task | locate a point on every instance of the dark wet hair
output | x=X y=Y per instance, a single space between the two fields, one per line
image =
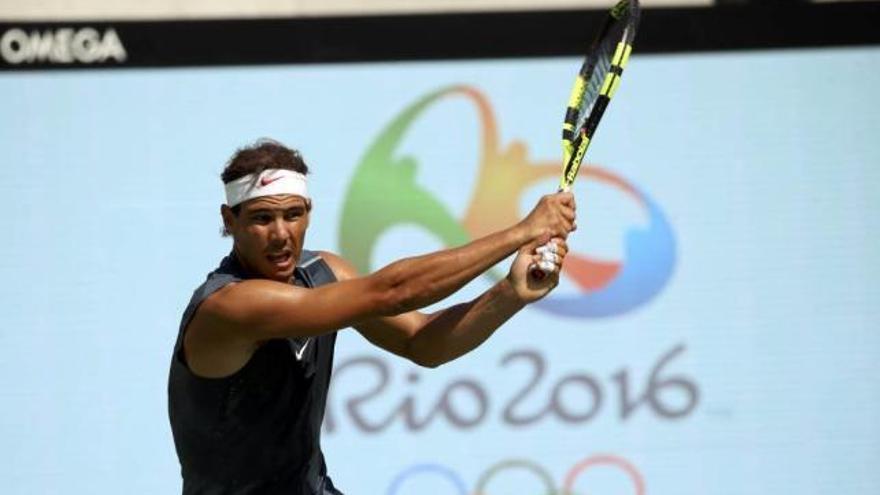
x=262 y=155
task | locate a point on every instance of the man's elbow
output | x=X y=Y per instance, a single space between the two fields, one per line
x=427 y=361
x=419 y=352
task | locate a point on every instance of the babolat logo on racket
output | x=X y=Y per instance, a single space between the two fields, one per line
x=385 y=193
x=61 y=46
x=573 y=165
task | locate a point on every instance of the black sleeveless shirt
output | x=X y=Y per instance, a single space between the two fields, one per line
x=257 y=431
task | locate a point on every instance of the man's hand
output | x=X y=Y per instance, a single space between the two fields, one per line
x=527 y=288
x=553 y=216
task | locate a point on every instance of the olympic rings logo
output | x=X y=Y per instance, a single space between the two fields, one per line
x=482 y=487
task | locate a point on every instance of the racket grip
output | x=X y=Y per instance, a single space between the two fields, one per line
x=536 y=271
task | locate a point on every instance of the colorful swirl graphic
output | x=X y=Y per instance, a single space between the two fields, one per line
x=383 y=193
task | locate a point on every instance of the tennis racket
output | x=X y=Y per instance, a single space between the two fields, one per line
x=594 y=87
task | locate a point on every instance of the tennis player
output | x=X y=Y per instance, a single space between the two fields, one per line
x=251 y=367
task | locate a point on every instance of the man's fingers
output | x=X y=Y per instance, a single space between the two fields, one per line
x=562 y=227
x=547 y=266
x=556 y=245
x=550 y=247
x=537 y=243
x=556 y=212
x=552 y=258
x=566 y=198
x=561 y=246
x=551 y=253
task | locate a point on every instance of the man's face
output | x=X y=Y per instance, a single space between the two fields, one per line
x=269 y=232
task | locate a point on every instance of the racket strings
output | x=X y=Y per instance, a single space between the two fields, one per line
x=601 y=66
x=596 y=83
x=598 y=63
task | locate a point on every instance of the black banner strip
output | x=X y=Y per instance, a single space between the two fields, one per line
x=101 y=44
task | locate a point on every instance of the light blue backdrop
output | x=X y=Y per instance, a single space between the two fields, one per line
x=766 y=166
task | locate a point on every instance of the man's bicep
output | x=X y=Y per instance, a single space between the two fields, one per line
x=263 y=309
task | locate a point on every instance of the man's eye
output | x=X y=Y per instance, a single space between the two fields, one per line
x=292 y=215
x=262 y=218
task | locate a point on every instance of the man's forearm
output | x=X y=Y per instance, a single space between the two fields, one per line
x=423 y=280
x=457 y=330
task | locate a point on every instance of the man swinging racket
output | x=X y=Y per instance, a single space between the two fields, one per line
x=251 y=367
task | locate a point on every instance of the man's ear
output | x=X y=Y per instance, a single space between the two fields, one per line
x=228 y=219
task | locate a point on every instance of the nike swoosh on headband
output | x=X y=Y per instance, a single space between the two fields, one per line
x=265 y=181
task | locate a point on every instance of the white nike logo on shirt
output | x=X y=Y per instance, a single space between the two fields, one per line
x=302 y=350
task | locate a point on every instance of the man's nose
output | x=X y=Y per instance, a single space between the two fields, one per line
x=278 y=230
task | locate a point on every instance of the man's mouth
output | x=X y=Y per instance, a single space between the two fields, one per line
x=281 y=260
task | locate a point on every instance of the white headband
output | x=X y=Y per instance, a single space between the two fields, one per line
x=270 y=182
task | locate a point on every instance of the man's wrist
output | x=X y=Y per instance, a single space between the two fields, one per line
x=508 y=295
x=520 y=234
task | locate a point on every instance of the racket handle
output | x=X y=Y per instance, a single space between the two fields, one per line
x=536 y=271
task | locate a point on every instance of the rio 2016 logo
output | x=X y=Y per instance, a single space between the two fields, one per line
x=383 y=193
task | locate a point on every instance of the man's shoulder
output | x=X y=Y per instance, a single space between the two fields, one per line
x=216 y=279
x=341 y=268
